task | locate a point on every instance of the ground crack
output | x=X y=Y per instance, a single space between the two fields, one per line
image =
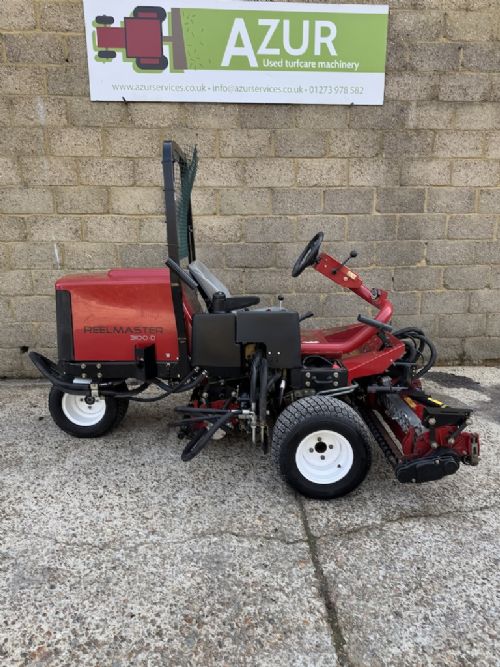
x=332 y=615
x=402 y=519
x=196 y=536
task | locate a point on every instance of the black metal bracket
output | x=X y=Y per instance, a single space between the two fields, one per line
x=145 y=358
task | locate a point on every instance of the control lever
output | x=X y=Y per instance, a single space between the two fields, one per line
x=375 y=323
x=183 y=275
x=352 y=255
x=306 y=316
x=381 y=326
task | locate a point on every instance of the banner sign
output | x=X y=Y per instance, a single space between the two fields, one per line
x=224 y=51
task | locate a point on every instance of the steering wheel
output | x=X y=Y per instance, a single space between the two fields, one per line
x=309 y=255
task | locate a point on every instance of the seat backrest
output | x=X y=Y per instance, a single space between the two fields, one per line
x=209 y=283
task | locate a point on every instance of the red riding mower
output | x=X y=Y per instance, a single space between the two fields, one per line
x=320 y=397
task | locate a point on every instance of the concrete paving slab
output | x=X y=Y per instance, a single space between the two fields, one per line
x=425 y=591
x=114 y=552
x=202 y=601
x=134 y=477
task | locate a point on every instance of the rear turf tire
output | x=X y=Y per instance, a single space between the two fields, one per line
x=104 y=20
x=322 y=447
x=81 y=420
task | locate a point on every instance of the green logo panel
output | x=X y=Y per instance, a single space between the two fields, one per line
x=354 y=41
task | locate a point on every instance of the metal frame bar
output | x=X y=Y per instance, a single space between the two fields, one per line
x=172 y=154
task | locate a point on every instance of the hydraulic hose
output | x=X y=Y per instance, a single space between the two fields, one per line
x=418 y=338
x=132 y=394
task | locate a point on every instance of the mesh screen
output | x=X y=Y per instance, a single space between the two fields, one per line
x=184 y=175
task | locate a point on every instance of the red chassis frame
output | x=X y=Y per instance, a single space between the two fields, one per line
x=361 y=338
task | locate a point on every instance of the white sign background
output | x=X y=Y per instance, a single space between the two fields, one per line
x=118 y=80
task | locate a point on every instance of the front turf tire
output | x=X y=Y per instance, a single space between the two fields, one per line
x=106 y=55
x=74 y=416
x=322 y=447
x=161 y=14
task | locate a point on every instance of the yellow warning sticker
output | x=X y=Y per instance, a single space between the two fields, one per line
x=434 y=400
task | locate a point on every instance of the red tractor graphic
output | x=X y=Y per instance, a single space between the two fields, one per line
x=141 y=38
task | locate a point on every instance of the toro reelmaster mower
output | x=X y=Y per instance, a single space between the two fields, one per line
x=320 y=398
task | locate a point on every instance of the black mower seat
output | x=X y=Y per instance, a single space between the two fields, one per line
x=208 y=283
x=216 y=292
x=222 y=304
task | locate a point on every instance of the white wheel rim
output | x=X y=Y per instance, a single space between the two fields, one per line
x=324 y=457
x=81 y=413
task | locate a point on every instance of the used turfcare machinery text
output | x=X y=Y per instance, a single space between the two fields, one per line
x=320 y=398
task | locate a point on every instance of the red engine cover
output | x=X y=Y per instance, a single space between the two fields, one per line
x=115 y=312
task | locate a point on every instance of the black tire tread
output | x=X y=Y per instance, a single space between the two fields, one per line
x=122 y=407
x=161 y=14
x=303 y=408
x=116 y=410
x=103 y=19
x=121 y=404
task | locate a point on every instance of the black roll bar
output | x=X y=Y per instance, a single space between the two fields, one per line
x=173 y=154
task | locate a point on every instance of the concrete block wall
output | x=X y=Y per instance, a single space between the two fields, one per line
x=414 y=185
